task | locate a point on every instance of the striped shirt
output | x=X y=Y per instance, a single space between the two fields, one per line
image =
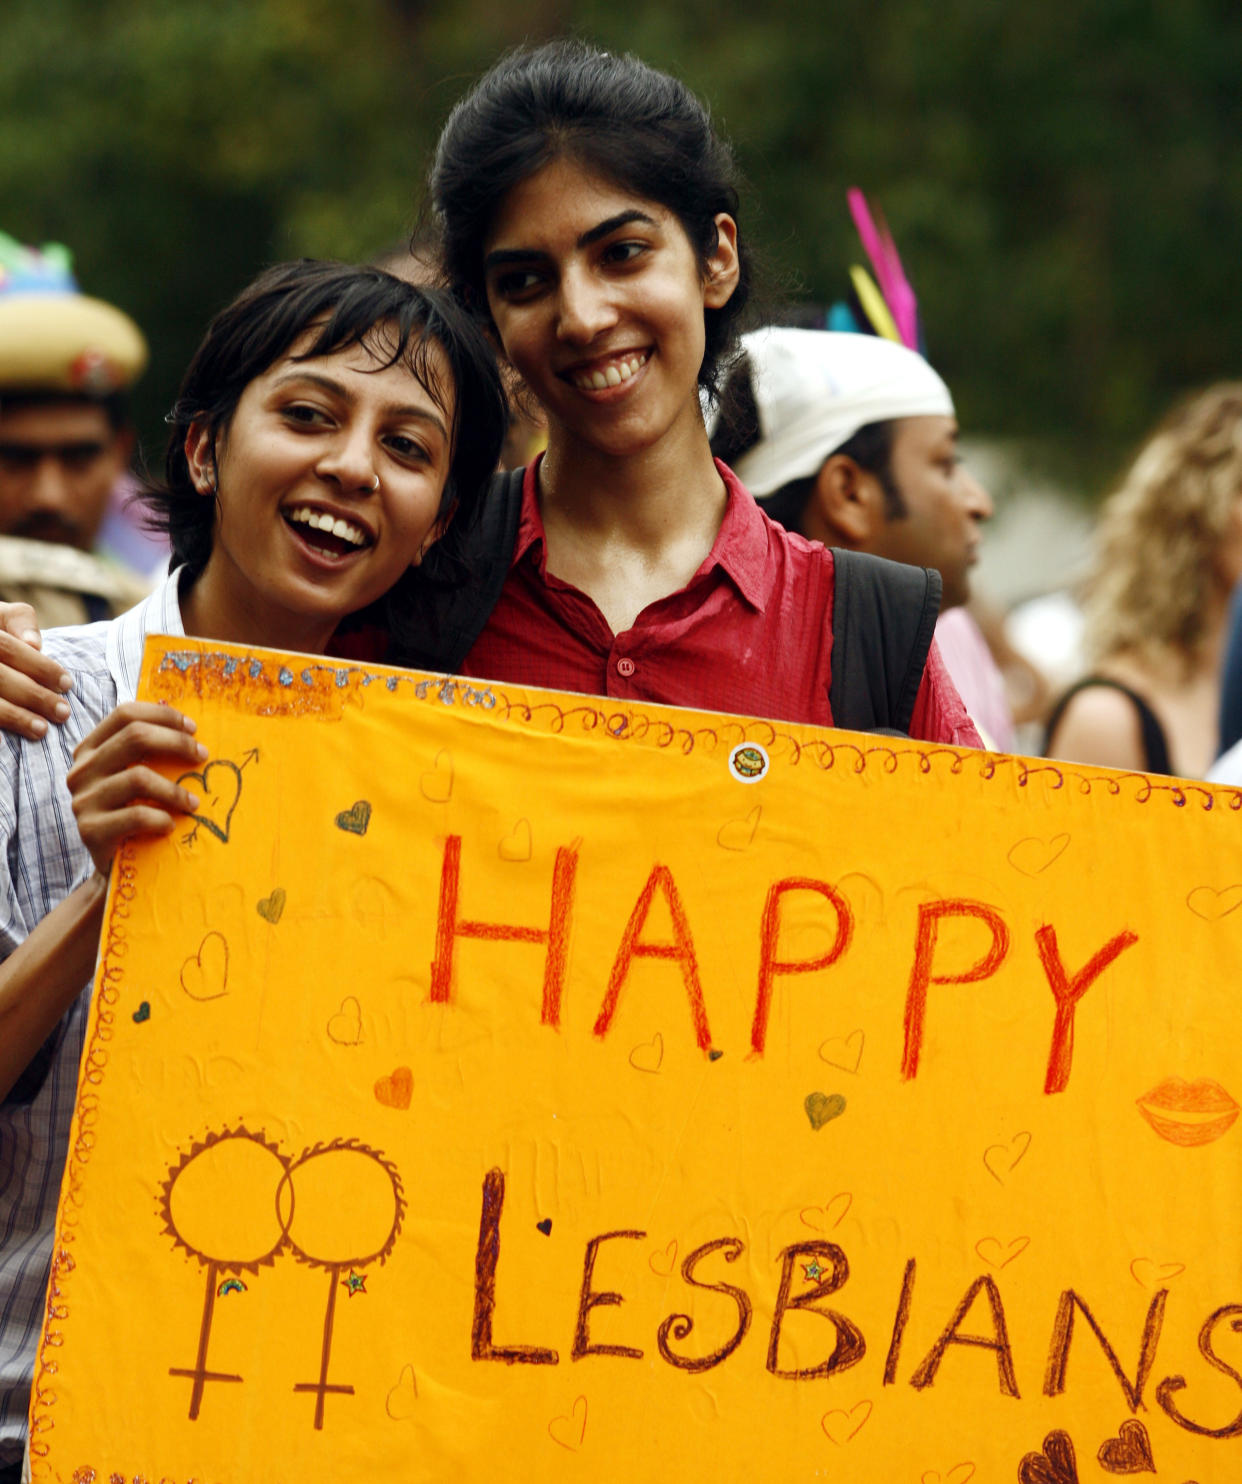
x=46 y=861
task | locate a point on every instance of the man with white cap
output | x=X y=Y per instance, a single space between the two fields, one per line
x=852 y=440
x=66 y=364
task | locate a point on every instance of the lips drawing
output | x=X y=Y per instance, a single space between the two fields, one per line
x=1188 y=1113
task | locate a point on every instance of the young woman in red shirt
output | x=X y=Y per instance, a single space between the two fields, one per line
x=589 y=216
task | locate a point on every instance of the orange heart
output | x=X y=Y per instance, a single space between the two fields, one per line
x=1149 y=1274
x=841 y=1426
x=960 y=1473
x=997 y=1255
x=663 y=1263
x=395 y=1091
x=827 y=1218
x=570 y=1431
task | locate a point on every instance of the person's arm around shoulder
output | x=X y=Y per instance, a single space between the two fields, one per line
x=32 y=685
x=116 y=792
x=1101 y=727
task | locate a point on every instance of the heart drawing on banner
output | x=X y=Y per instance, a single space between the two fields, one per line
x=1152 y=1275
x=271 y=907
x=840 y=1426
x=205 y=974
x=827 y=1218
x=999 y=1255
x=960 y=1473
x=1001 y=1160
x=738 y=833
x=1211 y=905
x=397 y=1090
x=822 y=1108
x=517 y=845
x=1057 y=1463
x=570 y=1431
x=402 y=1399
x=1033 y=855
x=355 y=819
x=1129 y=1452
x=345 y=1027
x=663 y=1262
x=437 y=785
x=220 y=783
x=648 y=1056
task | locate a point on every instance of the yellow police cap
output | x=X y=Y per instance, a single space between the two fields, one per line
x=53 y=338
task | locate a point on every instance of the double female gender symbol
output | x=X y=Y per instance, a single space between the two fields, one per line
x=235 y=1202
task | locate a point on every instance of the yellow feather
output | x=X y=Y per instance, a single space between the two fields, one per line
x=874 y=307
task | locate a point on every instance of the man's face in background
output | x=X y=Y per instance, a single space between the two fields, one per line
x=944 y=505
x=59 y=461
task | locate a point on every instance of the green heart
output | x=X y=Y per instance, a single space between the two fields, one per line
x=822 y=1109
x=271 y=907
x=355 y=820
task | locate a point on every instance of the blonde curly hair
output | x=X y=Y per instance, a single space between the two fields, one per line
x=1158 y=534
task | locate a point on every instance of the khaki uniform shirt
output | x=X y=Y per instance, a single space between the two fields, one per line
x=64 y=585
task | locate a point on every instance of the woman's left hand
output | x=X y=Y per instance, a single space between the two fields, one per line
x=116 y=790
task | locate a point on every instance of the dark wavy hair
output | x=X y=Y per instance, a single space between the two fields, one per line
x=615 y=116
x=343 y=306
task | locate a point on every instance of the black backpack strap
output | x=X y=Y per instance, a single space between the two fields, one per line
x=462 y=612
x=883 y=619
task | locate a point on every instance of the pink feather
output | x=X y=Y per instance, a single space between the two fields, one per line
x=890 y=275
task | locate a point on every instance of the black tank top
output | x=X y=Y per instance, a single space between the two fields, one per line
x=1155 y=747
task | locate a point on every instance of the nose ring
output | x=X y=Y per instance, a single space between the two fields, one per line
x=375 y=486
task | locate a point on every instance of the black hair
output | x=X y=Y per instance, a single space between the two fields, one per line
x=614 y=115
x=343 y=306
x=737 y=432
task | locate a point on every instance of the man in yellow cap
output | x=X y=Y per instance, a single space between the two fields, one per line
x=66 y=364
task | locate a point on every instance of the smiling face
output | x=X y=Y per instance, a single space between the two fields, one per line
x=945 y=505
x=328 y=482
x=598 y=299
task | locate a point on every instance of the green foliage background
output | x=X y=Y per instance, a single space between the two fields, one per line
x=1064 y=182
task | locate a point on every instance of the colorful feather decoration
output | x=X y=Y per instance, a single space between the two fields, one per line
x=873 y=305
x=895 y=288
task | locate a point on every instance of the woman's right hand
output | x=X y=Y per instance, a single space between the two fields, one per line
x=117 y=791
x=32 y=687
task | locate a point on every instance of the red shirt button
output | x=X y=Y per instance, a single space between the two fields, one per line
x=625 y=667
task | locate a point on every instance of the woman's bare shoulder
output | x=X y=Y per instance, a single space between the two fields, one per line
x=1101 y=726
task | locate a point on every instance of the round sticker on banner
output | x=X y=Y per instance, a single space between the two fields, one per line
x=748 y=762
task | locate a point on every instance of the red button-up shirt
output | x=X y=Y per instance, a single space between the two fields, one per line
x=751 y=632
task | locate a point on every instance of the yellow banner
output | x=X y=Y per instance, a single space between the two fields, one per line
x=508 y=1085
